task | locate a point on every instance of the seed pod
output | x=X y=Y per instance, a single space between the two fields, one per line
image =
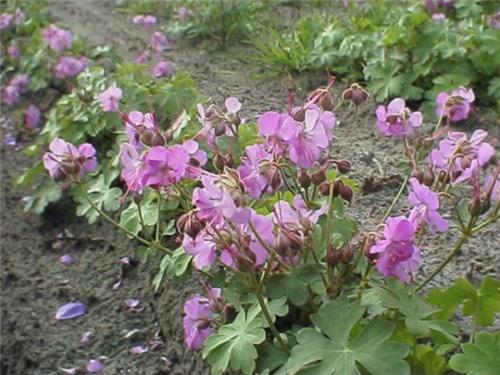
x=347 y=253
x=318 y=177
x=343 y=166
x=304 y=179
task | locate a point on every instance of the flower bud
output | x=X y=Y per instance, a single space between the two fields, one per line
x=419 y=175
x=443 y=177
x=475 y=206
x=346 y=254
x=368 y=243
x=229 y=313
x=157 y=140
x=190 y=224
x=428 y=178
x=345 y=191
x=343 y=166
x=326 y=101
x=318 y=177
x=276 y=180
x=219 y=162
x=299 y=115
x=304 y=179
x=332 y=256
x=355 y=93
x=324 y=188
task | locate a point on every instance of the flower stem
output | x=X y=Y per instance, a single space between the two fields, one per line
x=157 y=235
x=456 y=249
x=396 y=198
x=270 y=322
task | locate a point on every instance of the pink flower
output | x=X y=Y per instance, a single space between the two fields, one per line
x=254 y=170
x=144 y=20
x=67 y=160
x=461 y=156
x=58 y=39
x=250 y=252
x=20 y=82
x=297 y=215
x=306 y=140
x=182 y=14
x=397 y=121
x=142 y=57
x=133 y=168
x=397 y=254
x=5 y=20
x=198 y=318
x=158 y=41
x=165 y=165
x=32 y=117
x=197 y=158
x=69 y=66
x=162 y=69
x=202 y=248
x=425 y=207
x=13 y=51
x=18 y=85
x=455 y=106
x=438 y=16
x=109 y=99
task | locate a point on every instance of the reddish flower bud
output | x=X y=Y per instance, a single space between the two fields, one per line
x=343 y=166
x=345 y=191
x=318 y=177
x=304 y=179
x=419 y=175
x=326 y=101
x=190 y=224
x=333 y=256
x=428 y=178
x=347 y=253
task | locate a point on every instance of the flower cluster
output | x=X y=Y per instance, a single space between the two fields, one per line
x=58 y=39
x=110 y=98
x=397 y=120
x=70 y=66
x=12 y=92
x=455 y=107
x=8 y=19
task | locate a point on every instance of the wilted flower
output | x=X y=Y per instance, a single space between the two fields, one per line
x=306 y=140
x=397 y=120
x=144 y=20
x=66 y=160
x=70 y=311
x=58 y=39
x=461 y=156
x=355 y=93
x=158 y=41
x=69 y=66
x=109 y=99
x=32 y=117
x=162 y=69
x=455 y=106
x=198 y=318
x=425 y=206
x=397 y=254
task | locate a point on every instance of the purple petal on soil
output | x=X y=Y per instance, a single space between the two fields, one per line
x=156 y=344
x=117 y=284
x=85 y=337
x=66 y=259
x=70 y=310
x=132 y=303
x=95 y=366
x=124 y=260
x=139 y=349
x=9 y=140
x=70 y=371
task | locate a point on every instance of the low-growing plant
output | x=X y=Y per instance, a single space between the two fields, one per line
x=397 y=48
x=293 y=284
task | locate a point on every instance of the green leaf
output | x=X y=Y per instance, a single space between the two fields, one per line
x=480 y=358
x=424 y=360
x=130 y=218
x=481 y=304
x=295 y=285
x=47 y=192
x=173 y=265
x=233 y=346
x=329 y=349
x=270 y=357
x=417 y=312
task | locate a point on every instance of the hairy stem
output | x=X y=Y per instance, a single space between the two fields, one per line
x=270 y=322
x=396 y=198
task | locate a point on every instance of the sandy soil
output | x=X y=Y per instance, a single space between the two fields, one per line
x=34 y=283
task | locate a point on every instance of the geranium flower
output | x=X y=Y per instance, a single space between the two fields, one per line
x=198 y=318
x=397 y=254
x=397 y=120
x=67 y=160
x=494 y=185
x=13 y=51
x=5 y=20
x=158 y=41
x=165 y=165
x=425 y=207
x=110 y=99
x=144 y=20
x=307 y=139
x=133 y=167
x=297 y=215
x=162 y=69
x=58 y=39
x=142 y=57
x=32 y=117
x=197 y=158
x=69 y=66
x=461 y=156
x=455 y=106
x=254 y=172
x=201 y=247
